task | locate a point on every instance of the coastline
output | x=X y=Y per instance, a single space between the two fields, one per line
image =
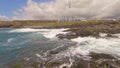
x=96 y=60
x=74 y=29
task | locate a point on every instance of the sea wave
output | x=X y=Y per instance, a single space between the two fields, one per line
x=48 y=33
x=106 y=46
x=53 y=32
x=81 y=52
x=34 y=48
x=22 y=30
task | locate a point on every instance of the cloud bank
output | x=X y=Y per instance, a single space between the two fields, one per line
x=62 y=9
x=4 y=18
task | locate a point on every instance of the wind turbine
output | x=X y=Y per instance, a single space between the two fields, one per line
x=68 y=2
x=68 y=6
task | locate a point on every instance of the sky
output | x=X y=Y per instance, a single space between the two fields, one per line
x=59 y=9
x=7 y=7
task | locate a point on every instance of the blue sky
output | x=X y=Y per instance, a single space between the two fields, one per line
x=85 y=9
x=7 y=7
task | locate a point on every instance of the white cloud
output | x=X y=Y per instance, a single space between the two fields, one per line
x=89 y=9
x=4 y=18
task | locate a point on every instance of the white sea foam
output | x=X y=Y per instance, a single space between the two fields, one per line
x=118 y=35
x=85 y=44
x=53 y=32
x=48 y=33
x=10 y=40
x=89 y=44
x=103 y=34
x=67 y=65
x=24 y=30
x=74 y=51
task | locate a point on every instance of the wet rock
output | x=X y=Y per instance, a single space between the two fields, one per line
x=64 y=67
x=96 y=34
x=96 y=56
x=81 y=64
x=98 y=61
x=111 y=36
x=66 y=36
x=61 y=36
x=53 y=65
x=54 y=52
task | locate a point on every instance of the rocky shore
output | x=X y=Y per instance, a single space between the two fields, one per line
x=92 y=29
x=75 y=28
x=96 y=61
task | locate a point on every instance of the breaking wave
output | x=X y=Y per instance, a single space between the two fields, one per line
x=107 y=46
x=48 y=33
x=35 y=48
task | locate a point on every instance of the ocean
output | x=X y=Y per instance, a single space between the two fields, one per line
x=40 y=48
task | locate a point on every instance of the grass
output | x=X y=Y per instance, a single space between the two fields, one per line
x=80 y=28
x=56 y=24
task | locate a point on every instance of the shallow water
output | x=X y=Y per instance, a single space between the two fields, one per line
x=39 y=48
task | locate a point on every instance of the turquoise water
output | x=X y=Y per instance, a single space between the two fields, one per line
x=12 y=44
x=40 y=47
x=15 y=45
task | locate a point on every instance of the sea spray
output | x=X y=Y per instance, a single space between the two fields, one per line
x=48 y=33
x=42 y=52
x=101 y=45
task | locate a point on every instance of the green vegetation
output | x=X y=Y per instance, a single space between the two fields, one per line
x=55 y=24
x=77 y=28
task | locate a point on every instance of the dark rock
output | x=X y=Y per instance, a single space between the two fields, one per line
x=111 y=36
x=61 y=36
x=81 y=64
x=96 y=34
x=96 y=56
x=66 y=36
x=64 y=67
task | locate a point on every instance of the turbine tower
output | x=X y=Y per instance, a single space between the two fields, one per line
x=68 y=2
x=68 y=6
